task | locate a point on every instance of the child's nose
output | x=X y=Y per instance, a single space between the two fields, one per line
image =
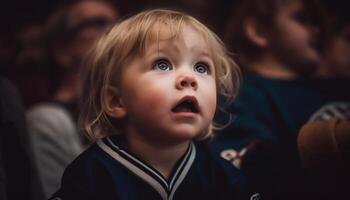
x=186 y=81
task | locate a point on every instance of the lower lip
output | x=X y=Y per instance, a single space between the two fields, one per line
x=184 y=114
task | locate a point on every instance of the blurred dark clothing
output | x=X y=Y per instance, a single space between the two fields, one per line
x=18 y=178
x=269 y=114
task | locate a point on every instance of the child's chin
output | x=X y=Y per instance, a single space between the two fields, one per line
x=186 y=134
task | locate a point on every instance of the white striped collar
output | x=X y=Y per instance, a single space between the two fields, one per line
x=165 y=189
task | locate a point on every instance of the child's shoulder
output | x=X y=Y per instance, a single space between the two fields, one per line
x=85 y=160
x=226 y=178
x=213 y=163
x=87 y=176
x=102 y=156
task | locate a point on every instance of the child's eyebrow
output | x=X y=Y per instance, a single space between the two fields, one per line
x=201 y=52
x=175 y=49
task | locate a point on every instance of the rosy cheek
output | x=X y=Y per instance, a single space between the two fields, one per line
x=210 y=101
x=213 y=107
x=154 y=98
x=154 y=103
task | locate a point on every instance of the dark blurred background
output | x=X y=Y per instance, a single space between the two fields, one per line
x=22 y=22
x=22 y=34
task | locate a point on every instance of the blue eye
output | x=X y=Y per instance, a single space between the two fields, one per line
x=201 y=68
x=162 y=65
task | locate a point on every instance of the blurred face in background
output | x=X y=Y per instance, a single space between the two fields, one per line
x=336 y=56
x=89 y=20
x=294 y=40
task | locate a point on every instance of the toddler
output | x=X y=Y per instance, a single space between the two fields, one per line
x=150 y=89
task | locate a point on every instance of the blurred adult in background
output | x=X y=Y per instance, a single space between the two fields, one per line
x=277 y=43
x=324 y=141
x=71 y=30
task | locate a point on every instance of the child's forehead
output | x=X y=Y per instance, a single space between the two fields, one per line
x=169 y=32
x=163 y=34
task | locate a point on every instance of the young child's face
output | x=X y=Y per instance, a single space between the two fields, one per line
x=169 y=93
x=294 y=41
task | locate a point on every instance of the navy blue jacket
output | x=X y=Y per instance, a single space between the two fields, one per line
x=107 y=171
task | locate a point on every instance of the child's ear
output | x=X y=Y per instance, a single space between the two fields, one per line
x=254 y=33
x=112 y=103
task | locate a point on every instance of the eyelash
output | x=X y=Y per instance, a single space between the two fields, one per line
x=156 y=66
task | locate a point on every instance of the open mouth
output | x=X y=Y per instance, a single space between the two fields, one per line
x=187 y=104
